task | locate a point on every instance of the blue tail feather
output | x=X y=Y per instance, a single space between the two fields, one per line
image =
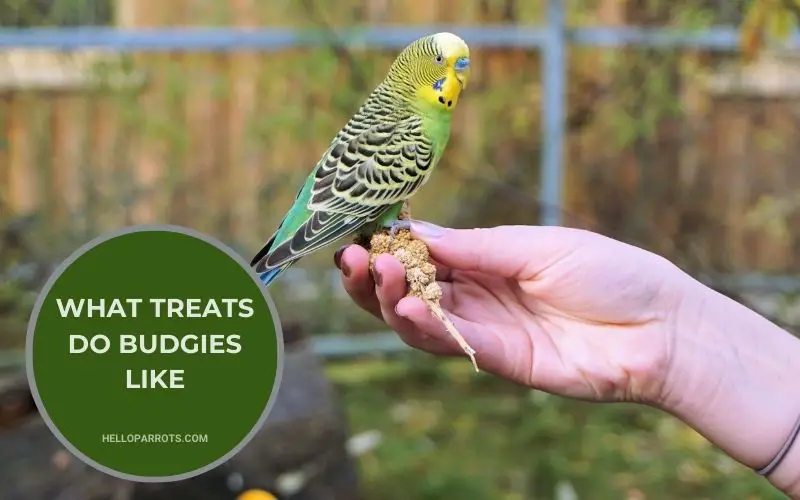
x=270 y=275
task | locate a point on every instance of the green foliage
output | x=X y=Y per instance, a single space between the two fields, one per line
x=772 y=213
x=34 y=13
x=448 y=433
x=648 y=79
x=15 y=305
x=767 y=19
x=17 y=289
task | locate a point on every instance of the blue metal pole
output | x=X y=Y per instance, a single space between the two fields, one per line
x=721 y=38
x=554 y=81
x=231 y=39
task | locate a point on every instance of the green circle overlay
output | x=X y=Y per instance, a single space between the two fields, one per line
x=155 y=434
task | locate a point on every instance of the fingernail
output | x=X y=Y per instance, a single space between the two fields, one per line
x=426 y=229
x=337 y=257
x=376 y=277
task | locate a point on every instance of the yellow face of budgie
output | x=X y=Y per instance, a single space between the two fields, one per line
x=438 y=66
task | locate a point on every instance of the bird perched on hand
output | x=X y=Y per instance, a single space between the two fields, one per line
x=379 y=159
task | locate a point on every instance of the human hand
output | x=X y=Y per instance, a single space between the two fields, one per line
x=562 y=310
x=578 y=314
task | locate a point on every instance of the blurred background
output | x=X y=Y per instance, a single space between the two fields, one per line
x=670 y=125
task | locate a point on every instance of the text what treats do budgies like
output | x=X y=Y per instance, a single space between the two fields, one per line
x=382 y=156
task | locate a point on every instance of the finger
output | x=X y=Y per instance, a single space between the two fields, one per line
x=507 y=251
x=353 y=260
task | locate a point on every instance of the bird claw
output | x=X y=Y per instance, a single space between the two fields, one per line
x=398 y=225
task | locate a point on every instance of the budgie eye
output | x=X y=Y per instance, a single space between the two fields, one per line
x=438 y=59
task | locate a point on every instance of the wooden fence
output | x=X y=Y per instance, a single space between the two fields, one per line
x=219 y=142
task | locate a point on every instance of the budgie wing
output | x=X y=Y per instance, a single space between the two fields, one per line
x=356 y=181
x=376 y=168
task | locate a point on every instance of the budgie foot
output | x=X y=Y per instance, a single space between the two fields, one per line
x=398 y=225
x=405 y=211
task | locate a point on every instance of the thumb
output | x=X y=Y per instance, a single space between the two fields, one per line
x=506 y=251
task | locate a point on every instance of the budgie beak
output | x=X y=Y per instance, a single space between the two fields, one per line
x=450 y=88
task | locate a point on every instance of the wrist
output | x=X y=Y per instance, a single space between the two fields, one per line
x=733 y=377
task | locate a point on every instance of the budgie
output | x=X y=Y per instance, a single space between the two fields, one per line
x=379 y=159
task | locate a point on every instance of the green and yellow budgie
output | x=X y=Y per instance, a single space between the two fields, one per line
x=379 y=159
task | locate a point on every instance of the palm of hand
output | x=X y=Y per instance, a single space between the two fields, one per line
x=558 y=332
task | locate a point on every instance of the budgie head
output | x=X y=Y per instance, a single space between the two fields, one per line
x=436 y=67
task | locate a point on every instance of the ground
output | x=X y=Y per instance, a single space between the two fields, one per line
x=451 y=433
